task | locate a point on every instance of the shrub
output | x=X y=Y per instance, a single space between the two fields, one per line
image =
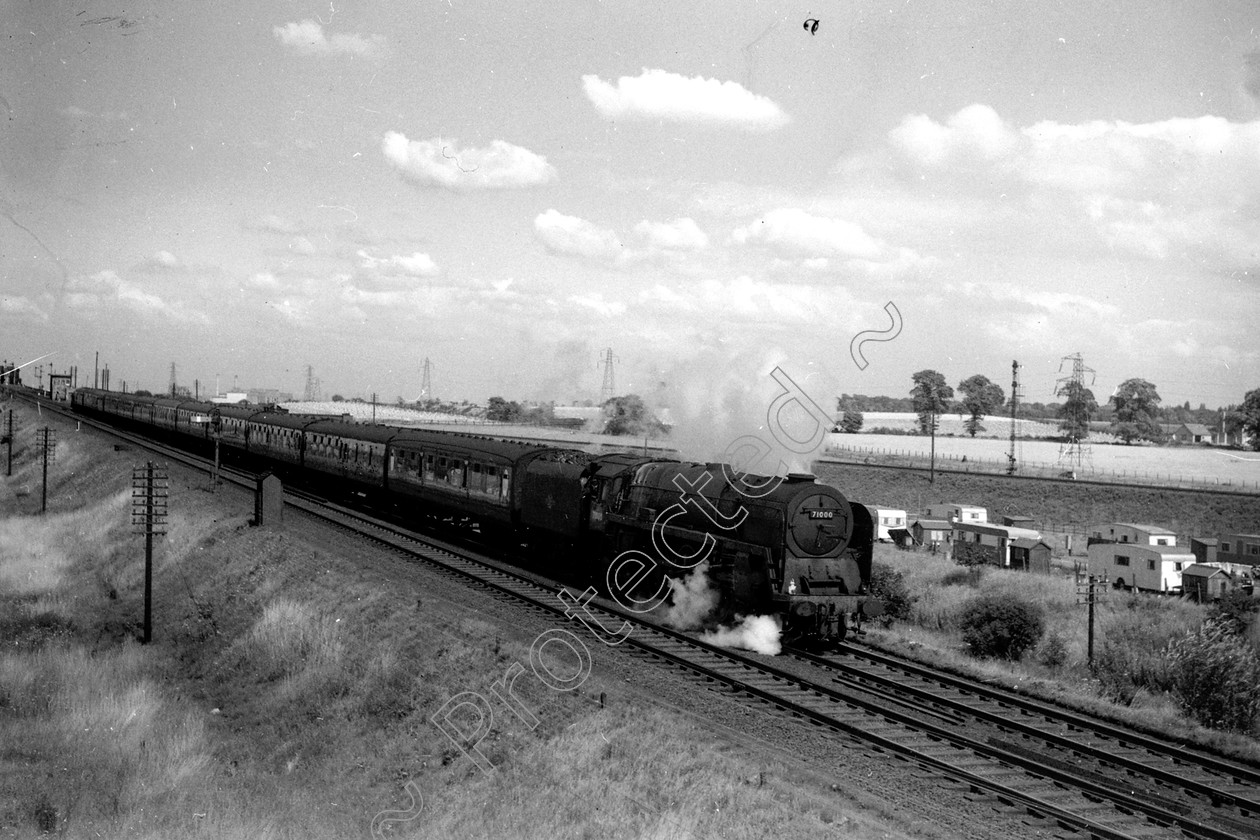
x=1001 y=626
x=1135 y=634
x=1053 y=652
x=1236 y=610
x=1216 y=677
x=890 y=586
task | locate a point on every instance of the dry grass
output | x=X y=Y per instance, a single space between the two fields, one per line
x=98 y=739
x=631 y=774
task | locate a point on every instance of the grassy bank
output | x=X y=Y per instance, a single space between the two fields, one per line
x=289 y=689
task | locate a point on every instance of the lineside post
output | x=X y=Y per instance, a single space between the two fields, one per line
x=150 y=487
x=8 y=440
x=1087 y=588
x=48 y=452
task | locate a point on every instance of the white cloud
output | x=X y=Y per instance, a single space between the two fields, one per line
x=415 y=265
x=301 y=245
x=597 y=303
x=104 y=288
x=307 y=38
x=657 y=94
x=563 y=234
x=442 y=163
x=161 y=262
x=22 y=306
x=679 y=235
x=1186 y=188
x=264 y=280
x=795 y=233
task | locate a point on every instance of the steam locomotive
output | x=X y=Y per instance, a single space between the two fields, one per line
x=789 y=546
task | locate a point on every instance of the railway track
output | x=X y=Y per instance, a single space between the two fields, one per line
x=877 y=713
x=1202 y=788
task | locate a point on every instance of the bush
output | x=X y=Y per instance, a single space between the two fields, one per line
x=1236 y=610
x=1053 y=652
x=890 y=586
x=1001 y=626
x=1216 y=677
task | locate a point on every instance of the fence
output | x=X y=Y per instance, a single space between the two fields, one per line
x=963 y=463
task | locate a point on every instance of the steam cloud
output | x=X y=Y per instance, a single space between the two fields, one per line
x=758 y=633
x=692 y=600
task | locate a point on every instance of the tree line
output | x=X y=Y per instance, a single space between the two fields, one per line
x=1132 y=413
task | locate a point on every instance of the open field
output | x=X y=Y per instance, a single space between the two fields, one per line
x=1059 y=507
x=1141 y=463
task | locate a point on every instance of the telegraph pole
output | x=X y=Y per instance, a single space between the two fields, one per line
x=8 y=440
x=1010 y=456
x=48 y=451
x=1087 y=588
x=150 y=488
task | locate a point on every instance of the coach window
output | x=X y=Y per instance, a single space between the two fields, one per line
x=492 y=481
x=506 y=482
x=1122 y=561
x=456 y=475
x=440 y=470
x=1150 y=565
x=1224 y=546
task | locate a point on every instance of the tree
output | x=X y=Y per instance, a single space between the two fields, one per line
x=980 y=397
x=501 y=411
x=1250 y=412
x=1136 y=404
x=338 y=398
x=1076 y=410
x=931 y=397
x=851 y=422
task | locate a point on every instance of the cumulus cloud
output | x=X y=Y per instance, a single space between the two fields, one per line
x=660 y=95
x=795 y=233
x=307 y=38
x=161 y=262
x=23 y=307
x=570 y=235
x=442 y=163
x=1185 y=188
x=415 y=265
x=106 y=287
x=679 y=235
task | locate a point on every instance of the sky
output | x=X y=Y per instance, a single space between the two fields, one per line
x=246 y=188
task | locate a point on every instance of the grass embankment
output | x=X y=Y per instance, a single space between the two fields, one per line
x=1051 y=503
x=1132 y=635
x=288 y=690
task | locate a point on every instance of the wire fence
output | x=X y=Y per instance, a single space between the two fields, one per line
x=963 y=463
